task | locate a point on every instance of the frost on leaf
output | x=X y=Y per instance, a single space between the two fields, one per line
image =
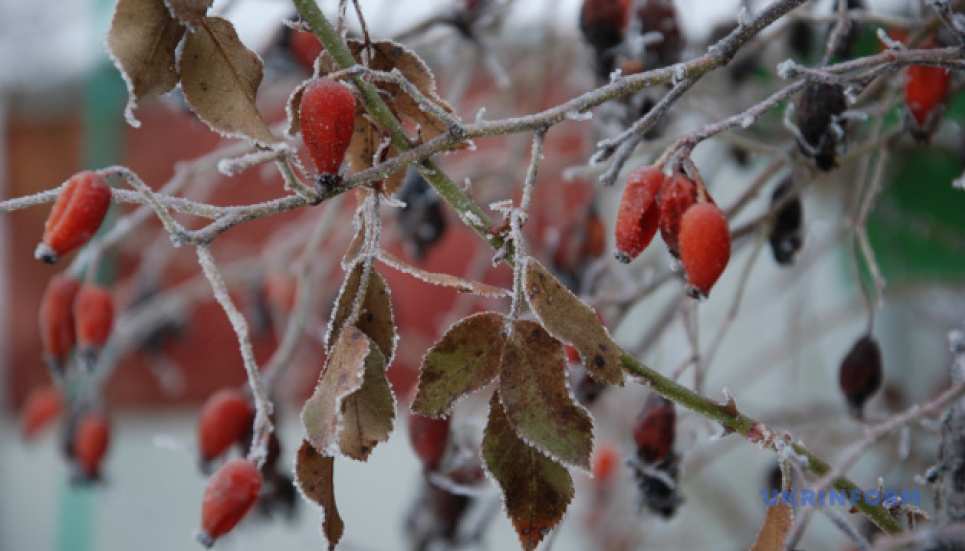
x=220 y=79
x=189 y=12
x=142 y=41
x=777 y=526
x=388 y=56
x=537 y=400
x=343 y=374
x=375 y=310
x=536 y=490
x=368 y=413
x=314 y=475
x=467 y=358
x=570 y=320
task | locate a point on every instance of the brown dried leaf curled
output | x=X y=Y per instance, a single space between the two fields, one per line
x=343 y=375
x=220 y=78
x=314 y=475
x=375 y=317
x=570 y=320
x=142 y=42
x=467 y=358
x=536 y=397
x=777 y=526
x=536 y=490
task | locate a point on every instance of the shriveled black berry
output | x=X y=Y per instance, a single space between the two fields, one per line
x=861 y=373
x=661 y=17
x=421 y=222
x=787 y=232
x=818 y=111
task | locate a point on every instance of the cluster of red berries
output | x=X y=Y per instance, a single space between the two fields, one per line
x=74 y=314
x=693 y=227
x=76 y=216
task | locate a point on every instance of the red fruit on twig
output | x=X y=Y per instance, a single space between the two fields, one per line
x=678 y=195
x=638 y=215
x=704 y=246
x=327 y=119
x=926 y=88
x=429 y=438
x=606 y=460
x=77 y=214
x=94 y=318
x=225 y=417
x=603 y=22
x=42 y=407
x=57 y=320
x=861 y=373
x=89 y=443
x=655 y=429
x=229 y=495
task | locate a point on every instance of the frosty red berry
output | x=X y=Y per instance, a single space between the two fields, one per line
x=860 y=373
x=638 y=216
x=91 y=437
x=229 y=495
x=225 y=417
x=43 y=406
x=655 y=429
x=94 y=318
x=429 y=438
x=678 y=195
x=76 y=216
x=327 y=119
x=926 y=88
x=57 y=320
x=704 y=246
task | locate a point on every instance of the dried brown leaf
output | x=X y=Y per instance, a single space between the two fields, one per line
x=368 y=414
x=467 y=358
x=536 y=490
x=535 y=394
x=567 y=318
x=375 y=317
x=314 y=475
x=220 y=79
x=142 y=42
x=344 y=374
x=777 y=526
x=189 y=12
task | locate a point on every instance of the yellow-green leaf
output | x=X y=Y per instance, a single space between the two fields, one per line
x=467 y=358
x=368 y=413
x=536 y=490
x=572 y=321
x=535 y=394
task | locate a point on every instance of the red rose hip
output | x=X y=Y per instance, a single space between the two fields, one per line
x=76 y=216
x=926 y=88
x=225 y=417
x=638 y=216
x=229 y=495
x=94 y=318
x=655 y=429
x=429 y=438
x=704 y=246
x=677 y=196
x=91 y=437
x=57 y=320
x=42 y=407
x=327 y=119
